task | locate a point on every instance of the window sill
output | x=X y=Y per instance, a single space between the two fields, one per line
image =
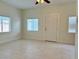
x=4 y=32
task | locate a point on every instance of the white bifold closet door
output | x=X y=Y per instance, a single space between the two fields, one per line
x=50 y=27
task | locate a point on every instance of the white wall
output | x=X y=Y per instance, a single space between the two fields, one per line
x=14 y=14
x=63 y=10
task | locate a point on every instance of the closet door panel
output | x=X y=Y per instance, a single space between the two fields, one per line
x=51 y=27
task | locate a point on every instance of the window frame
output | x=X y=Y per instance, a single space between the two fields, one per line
x=9 y=24
x=32 y=30
x=70 y=25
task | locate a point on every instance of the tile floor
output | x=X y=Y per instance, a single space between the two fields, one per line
x=31 y=49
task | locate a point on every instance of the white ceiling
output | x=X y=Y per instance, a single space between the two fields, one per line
x=31 y=3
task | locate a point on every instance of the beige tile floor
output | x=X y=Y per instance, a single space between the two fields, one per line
x=31 y=49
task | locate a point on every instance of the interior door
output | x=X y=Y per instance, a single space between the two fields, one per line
x=50 y=30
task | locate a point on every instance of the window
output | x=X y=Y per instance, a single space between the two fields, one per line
x=32 y=25
x=72 y=24
x=4 y=24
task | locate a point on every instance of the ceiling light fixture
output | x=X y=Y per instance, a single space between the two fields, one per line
x=42 y=1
